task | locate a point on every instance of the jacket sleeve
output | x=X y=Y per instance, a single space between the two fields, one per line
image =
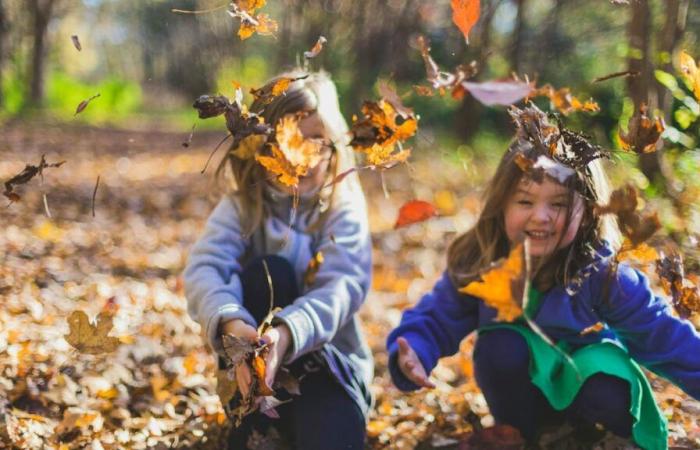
x=654 y=337
x=341 y=283
x=434 y=328
x=212 y=285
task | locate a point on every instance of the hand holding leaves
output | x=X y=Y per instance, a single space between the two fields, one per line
x=411 y=366
x=278 y=339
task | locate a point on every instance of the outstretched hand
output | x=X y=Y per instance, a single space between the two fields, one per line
x=279 y=339
x=410 y=365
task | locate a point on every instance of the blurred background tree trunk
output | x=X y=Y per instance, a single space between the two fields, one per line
x=4 y=28
x=40 y=12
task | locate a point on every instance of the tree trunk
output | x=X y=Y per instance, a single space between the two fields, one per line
x=41 y=15
x=518 y=37
x=3 y=33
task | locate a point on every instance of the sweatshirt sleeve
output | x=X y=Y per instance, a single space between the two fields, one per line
x=341 y=283
x=434 y=328
x=663 y=343
x=212 y=285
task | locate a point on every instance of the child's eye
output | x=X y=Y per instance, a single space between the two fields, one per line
x=524 y=202
x=561 y=205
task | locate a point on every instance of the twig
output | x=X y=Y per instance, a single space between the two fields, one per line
x=94 y=193
x=214 y=151
x=270 y=285
x=200 y=11
x=624 y=73
x=46 y=205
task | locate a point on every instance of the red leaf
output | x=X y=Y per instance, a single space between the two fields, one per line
x=415 y=211
x=465 y=13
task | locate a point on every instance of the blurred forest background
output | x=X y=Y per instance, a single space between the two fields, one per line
x=126 y=242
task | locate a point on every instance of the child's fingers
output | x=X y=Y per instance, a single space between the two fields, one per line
x=404 y=347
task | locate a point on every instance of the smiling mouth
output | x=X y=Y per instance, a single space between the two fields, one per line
x=538 y=235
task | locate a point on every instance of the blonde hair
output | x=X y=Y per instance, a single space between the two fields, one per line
x=487 y=241
x=310 y=92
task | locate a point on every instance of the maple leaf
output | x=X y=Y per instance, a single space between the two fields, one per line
x=292 y=154
x=89 y=338
x=691 y=72
x=465 y=14
x=268 y=92
x=642 y=132
x=244 y=10
x=413 y=212
x=564 y=101
x=503 y=285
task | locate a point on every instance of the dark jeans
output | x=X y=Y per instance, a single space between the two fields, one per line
x=324 y=416
x=501 y=366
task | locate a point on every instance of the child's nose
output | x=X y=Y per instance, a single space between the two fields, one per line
x=542 y=214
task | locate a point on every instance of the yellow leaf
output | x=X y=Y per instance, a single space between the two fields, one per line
x=250 y=6
x=641 y=253
x=250 y=146
x=503 y=285
x=47 y=231
x=281 y=86
x=266 y=26
x=246 y=30
x=89 y=338
x=312 y=269
x=691 y=72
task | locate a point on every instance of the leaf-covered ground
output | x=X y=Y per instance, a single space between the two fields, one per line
x=157 y=389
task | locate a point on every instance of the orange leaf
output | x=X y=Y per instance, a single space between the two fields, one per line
x=503 y=285
x=642 y=132
x=413 y=212
x=564 y=101
x=465 y=13
x=258 y=365
x=691 y=72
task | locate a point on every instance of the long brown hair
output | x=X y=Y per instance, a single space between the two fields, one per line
x=246 y=178
x=487 y=241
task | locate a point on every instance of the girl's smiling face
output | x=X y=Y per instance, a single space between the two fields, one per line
x=538 y=211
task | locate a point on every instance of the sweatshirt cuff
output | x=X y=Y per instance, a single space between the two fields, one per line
x=301 y=328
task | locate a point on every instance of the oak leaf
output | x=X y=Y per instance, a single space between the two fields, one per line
x=642 y=132
x=503 y=285
x=413 y=212
x=465 y=14
x=91 y=338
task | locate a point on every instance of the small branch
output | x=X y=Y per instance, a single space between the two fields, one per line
x=200 y=11
x=94 y=193
x=214 y=151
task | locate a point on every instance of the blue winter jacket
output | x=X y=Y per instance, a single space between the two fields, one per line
x=635 y=319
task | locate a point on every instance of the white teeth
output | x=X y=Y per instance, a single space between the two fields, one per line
x=538 y=234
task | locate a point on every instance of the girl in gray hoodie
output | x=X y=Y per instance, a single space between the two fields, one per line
x=260 y=228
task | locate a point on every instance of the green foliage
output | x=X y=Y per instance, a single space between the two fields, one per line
x=118 y=98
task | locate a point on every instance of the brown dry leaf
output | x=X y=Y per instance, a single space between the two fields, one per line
x=268 y=92
x=642 y=132
x=244 y=10
x=635 y=227
x=312 y=269
x=89 y=338
x=443 y=81
x=25 y=176
x=292 y=154
x=465 y=14
x=237 y=349
x=503 y=285
x=691 y=72
x=82 y=105
x=316 y=49
x=564 y=101
x=76 y=42
x=684 y=293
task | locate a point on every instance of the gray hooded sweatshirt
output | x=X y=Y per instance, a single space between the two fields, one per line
x=324 y=316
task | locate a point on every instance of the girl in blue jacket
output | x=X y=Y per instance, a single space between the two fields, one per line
x=259 y=227
x=575 y=285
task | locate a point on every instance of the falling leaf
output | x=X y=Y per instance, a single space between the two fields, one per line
x=316 y=49
x=312 y=269
x=82 y=105
x=564 y=101
x=635 y=227
x=595 y=328
x=642 y=132
x=684 y=293
x=25 y=176
x=388 y=93
x=465 y=13
x=292 y=154
x=691 y=72
x=268 y=92
x=252 y=23
x=89 y=338
x=642 y=253
x=443 y=81
x=503 y=285
x=498 y=92
x=76 y=42
x=413 y=212
x=250 y=146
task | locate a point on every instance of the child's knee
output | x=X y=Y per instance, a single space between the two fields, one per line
x=256 y=278
x=502 y=351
